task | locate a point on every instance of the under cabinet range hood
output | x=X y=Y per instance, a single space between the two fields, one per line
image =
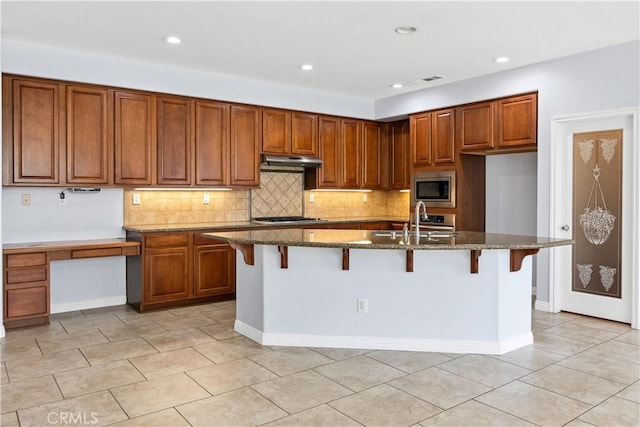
x=293 y=160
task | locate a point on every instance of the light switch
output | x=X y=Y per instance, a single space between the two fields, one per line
x=26 y=199
x=365 y=198
x=136 y=199
x=205 y=199
x=312 y=197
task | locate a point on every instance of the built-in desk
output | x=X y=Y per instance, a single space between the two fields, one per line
x=26 y=273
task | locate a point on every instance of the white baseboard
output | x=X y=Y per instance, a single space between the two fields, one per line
x=86 y=305
x=384 y=343
x=248 y=331
x=542 y=305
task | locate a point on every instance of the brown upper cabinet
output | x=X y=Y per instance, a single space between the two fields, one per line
x=135 y=137
x=351 y=152
x=56 y=134
x=59 y=134
x=398 y=135
x=32 y=127
x=432 y=136
x=328 y=176
x=372 y=155
x=506 y=124
x=212 y=143
x=304 y=134
x=245 y=143
x=89 y=136
x=420 y=139
x=443 y=136
x=475 y=126
x=276 y=131
x=289 y=132
x=516 y=121
x=174 y=140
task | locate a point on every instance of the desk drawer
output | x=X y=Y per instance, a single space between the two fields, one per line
x=27 y=301
x=96 y=253
x=24 y=275
x=26 y=260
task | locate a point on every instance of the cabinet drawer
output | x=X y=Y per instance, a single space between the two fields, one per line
x=96 y=253
x=26 y=301
x=165 y=240
x=23 y=275
x=26 y=260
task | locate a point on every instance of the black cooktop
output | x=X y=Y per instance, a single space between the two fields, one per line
x=285 y=219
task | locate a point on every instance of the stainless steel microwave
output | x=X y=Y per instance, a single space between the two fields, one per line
x=435 y=189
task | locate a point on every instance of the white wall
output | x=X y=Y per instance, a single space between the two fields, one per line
x=599 y=80
x=75 y=284
x=511 y=194
x=83 y=215
x=44 y=61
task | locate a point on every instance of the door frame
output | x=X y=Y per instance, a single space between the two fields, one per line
x=559 y=257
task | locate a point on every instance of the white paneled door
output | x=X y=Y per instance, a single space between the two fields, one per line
x=594 y=199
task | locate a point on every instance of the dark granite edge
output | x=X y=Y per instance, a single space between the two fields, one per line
x=394 y=246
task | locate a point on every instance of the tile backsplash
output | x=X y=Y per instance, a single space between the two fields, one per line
x=280 y=194
x=339 y=204
x=187 y=207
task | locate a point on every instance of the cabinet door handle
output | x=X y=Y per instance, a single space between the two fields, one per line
x=565 y=228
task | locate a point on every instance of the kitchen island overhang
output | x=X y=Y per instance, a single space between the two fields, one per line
x=299 y=292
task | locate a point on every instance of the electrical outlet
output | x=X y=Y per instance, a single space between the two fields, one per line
x=363 y=305
x=26 y=199
x=364 y=197
x=205 y=198
x=312 y=197
x=136 y=199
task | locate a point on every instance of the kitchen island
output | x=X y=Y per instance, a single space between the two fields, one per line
x=469 y=292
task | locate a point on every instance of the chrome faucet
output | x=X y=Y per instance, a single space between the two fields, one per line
x=424 y=216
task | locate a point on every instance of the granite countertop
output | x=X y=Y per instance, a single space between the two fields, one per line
x=153 y=228
x=366 y=239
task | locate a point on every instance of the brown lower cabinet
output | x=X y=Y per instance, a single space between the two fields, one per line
x=178 y=268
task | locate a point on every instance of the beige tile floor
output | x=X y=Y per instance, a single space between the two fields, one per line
x=186 y=366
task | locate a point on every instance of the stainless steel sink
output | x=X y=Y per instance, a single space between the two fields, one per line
x=392 y=234
x=427 y=235
x=439 y=234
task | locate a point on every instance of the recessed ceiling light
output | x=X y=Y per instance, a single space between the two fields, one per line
x=397 y=85
x=173 y=40
x=306 y=67
x=406 y=29
x=501 y=59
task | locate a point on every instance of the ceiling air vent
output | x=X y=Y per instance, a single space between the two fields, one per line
x=432 y=78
